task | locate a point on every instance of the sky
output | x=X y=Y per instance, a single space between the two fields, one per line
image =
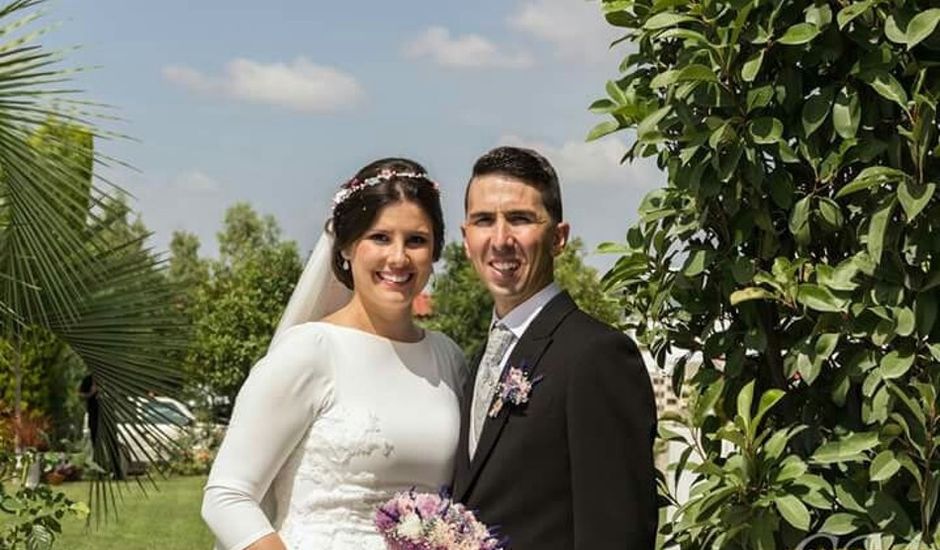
x=278 y=102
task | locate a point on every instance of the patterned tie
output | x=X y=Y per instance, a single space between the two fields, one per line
x=487 y=380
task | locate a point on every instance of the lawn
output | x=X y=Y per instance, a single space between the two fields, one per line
x=166 y=519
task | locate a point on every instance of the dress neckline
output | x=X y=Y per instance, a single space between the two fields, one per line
x=424 y=336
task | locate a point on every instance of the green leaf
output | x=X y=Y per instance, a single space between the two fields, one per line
x=895 y=364
x=876 y=229
x=847 y=449
x=792 y=468
x=666 y=19
x=752 y=66
x=846 y=113
x=886 y=86
x=759 y=97
x=792 y=510
x=893 y=32
x=801 y=33
x=745 y=398
x=815 y=110
x=649 y=126
x=769 y=398
x=695 y=265
x=914 y=198
x=692 y=72
x=602 y=129
x=904 y=321
x=831 y=212
x=602 y=107
x=870 y=177
x=934 y=351
x=925 y=312
x=883 y=466
x=751 y=293
x=826 y=344
x=921 y=26
x=820 y=299
x=766 y=130
x=841 y=523
x=799 y=217
x=848 y=13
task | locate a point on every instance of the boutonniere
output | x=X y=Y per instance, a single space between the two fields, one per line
x=514 y=389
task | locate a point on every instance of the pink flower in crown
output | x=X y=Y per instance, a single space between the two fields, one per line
x=514 y=389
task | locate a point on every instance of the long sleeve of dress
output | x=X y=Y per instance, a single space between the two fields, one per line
x=281 y=397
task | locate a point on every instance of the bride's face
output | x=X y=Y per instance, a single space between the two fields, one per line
x=392 y=260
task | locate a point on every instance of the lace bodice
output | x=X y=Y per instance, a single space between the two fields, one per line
x=380 y=417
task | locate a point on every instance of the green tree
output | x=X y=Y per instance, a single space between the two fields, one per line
x=463 y=308
x=794 y=251
x=236 y=311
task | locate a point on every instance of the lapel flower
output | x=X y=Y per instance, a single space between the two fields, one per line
x=514 y=389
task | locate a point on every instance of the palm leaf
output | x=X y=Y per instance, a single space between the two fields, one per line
x=108 y=301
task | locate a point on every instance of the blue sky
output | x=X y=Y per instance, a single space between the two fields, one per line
x=278 y=102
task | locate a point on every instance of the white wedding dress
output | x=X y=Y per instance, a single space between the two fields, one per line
x=334 y=420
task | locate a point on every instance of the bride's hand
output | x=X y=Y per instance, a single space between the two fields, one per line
x=268 y=542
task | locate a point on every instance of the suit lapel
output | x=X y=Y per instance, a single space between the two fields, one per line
x=528 y=350
x=462 y=460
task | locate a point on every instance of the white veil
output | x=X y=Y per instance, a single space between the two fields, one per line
x=318 y=293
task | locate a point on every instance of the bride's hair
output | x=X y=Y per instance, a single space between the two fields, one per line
x=375 y=186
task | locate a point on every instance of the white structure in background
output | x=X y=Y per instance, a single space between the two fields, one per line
x=668 y=401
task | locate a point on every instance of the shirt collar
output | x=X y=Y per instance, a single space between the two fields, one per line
x=521 y=316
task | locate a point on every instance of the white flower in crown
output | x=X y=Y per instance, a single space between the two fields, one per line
x=355 y=185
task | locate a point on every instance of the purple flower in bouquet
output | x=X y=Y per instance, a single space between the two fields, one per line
x=425 y=521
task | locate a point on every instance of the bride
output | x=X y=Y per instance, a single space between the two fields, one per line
x=353 y=401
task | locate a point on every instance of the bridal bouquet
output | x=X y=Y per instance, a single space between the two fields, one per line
x=424 y=521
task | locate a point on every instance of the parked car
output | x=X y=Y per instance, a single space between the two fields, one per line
x=168 y=423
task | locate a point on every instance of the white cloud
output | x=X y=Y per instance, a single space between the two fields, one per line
x=466 y=51
x=575 y=28
x=299 y=85
x=195 y=182
x=593 y=163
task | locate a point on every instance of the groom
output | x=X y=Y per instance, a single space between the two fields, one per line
x=571 y=468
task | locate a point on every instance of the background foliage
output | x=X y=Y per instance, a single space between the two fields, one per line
x=234 y=303
x=794 y=249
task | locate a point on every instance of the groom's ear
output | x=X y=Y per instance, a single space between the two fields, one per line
x=562 y=230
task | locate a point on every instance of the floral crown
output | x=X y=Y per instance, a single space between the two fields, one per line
x=354 y=185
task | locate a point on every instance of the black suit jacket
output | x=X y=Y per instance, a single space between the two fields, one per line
x=572 y=468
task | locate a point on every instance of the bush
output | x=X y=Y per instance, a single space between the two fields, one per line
x=794 y=253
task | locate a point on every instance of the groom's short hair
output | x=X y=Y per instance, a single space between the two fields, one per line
x=526 y=166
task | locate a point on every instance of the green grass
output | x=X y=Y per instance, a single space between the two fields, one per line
x=166 y=518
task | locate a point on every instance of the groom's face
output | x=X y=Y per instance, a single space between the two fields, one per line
x=510 y=238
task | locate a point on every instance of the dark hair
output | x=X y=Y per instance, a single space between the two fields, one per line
x=355 y=215
x=526 y=166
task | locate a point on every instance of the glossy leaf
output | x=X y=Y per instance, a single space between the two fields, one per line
x=850 y=12
x=819 y=298
x=801 y=33
x=846 y=113
x=921 y=26
x=846 y=449
x=914 y=198
x=870 y=177
x=877 y=228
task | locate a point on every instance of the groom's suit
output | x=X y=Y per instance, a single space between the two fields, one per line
x=572 y=468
